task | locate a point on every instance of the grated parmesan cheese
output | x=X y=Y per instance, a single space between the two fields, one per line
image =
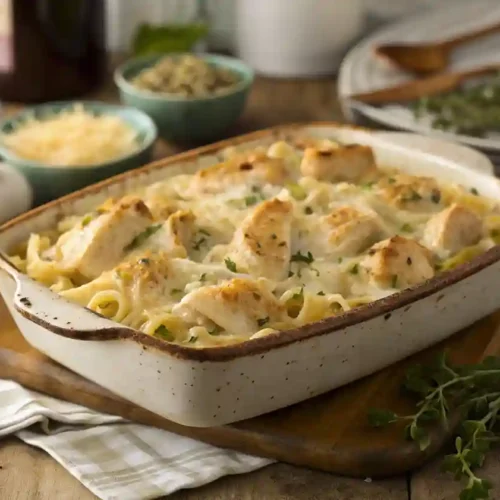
x=72 y=138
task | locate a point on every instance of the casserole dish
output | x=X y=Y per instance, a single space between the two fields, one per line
x=215 y=386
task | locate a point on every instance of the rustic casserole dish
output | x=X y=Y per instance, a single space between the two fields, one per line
x=293 y=261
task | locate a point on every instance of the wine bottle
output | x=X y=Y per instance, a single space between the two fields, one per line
x=51 y=49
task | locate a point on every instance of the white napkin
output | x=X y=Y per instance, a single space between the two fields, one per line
x=113 y=458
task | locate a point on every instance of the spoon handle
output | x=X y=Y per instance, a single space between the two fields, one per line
x=470 y=36
x=421 y=87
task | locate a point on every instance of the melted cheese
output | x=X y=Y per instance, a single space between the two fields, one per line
x=267 y=240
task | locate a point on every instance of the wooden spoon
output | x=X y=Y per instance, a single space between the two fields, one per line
x=429 y=57
x=432 y=85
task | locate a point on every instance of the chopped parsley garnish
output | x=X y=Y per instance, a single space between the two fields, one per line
x=273 y=236
x=494 y=233
x=163 y=332
x=409 y=261
x=394 y=281
x=198 y=244
x=142 y=237
x=299 y=257
x=368 y=185
x=298 y=295
x=87 y=219
x=414 y=196
x=406 y=228
x=321 y=293
x=261 y=322
x=192 y=339
x=391 y=180
x=255 y=197
x=436 y=196
x=354 y=269
x=251 y=200
x=474 y=191
x=144 y=261
x=203 y=277
x=339 y=260
x=308 y=210
x=204 y=231
x=282 y=244
x=230 y=265
x=290 y=274
x=176 y=291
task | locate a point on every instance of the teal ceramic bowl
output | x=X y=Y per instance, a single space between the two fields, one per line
x=50 y=182
x=185 y=119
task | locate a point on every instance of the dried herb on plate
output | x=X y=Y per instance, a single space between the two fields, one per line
x=471 y=110
x=442 y=390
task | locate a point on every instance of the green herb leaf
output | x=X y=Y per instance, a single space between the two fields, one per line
x=261 y=322
x=441 y=390
x=299 y=257
x=251 y=200
x=436 y=196
x=354 y=269
x=142 y=237
x=407 y=228
x=199 y=243
x=88 y=219
x=299 y=295
x=394 y=281
x=151 y=39
x=230 y=265
x=163 y=332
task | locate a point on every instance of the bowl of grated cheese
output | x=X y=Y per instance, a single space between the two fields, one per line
x=63 y=146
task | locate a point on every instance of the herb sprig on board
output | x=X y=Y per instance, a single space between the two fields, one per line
x=444 y=391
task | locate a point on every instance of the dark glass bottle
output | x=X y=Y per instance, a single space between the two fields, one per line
x=51 y=49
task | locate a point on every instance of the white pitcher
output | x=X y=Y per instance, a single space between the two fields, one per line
x=296 y=38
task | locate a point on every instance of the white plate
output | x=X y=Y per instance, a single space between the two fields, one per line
x=362 y=71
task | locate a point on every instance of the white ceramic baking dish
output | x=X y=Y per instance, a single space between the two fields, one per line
x=207 y=387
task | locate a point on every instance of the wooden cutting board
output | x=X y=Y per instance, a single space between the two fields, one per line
x=329 y=432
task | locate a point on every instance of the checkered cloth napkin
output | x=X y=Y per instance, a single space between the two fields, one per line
x=113 y=458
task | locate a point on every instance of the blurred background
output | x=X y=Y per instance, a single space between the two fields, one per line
x=288 y=60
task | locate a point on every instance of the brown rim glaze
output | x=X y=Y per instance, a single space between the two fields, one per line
x=264 y=344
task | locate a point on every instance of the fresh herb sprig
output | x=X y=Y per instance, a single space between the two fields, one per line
x=444 y=392
x=471 y=110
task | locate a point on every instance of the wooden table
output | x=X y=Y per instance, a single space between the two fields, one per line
x=27 y=473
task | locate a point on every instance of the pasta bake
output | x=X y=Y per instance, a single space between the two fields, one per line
x=267 y=240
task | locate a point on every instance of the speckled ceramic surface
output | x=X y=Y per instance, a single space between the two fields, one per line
x=208 y=387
